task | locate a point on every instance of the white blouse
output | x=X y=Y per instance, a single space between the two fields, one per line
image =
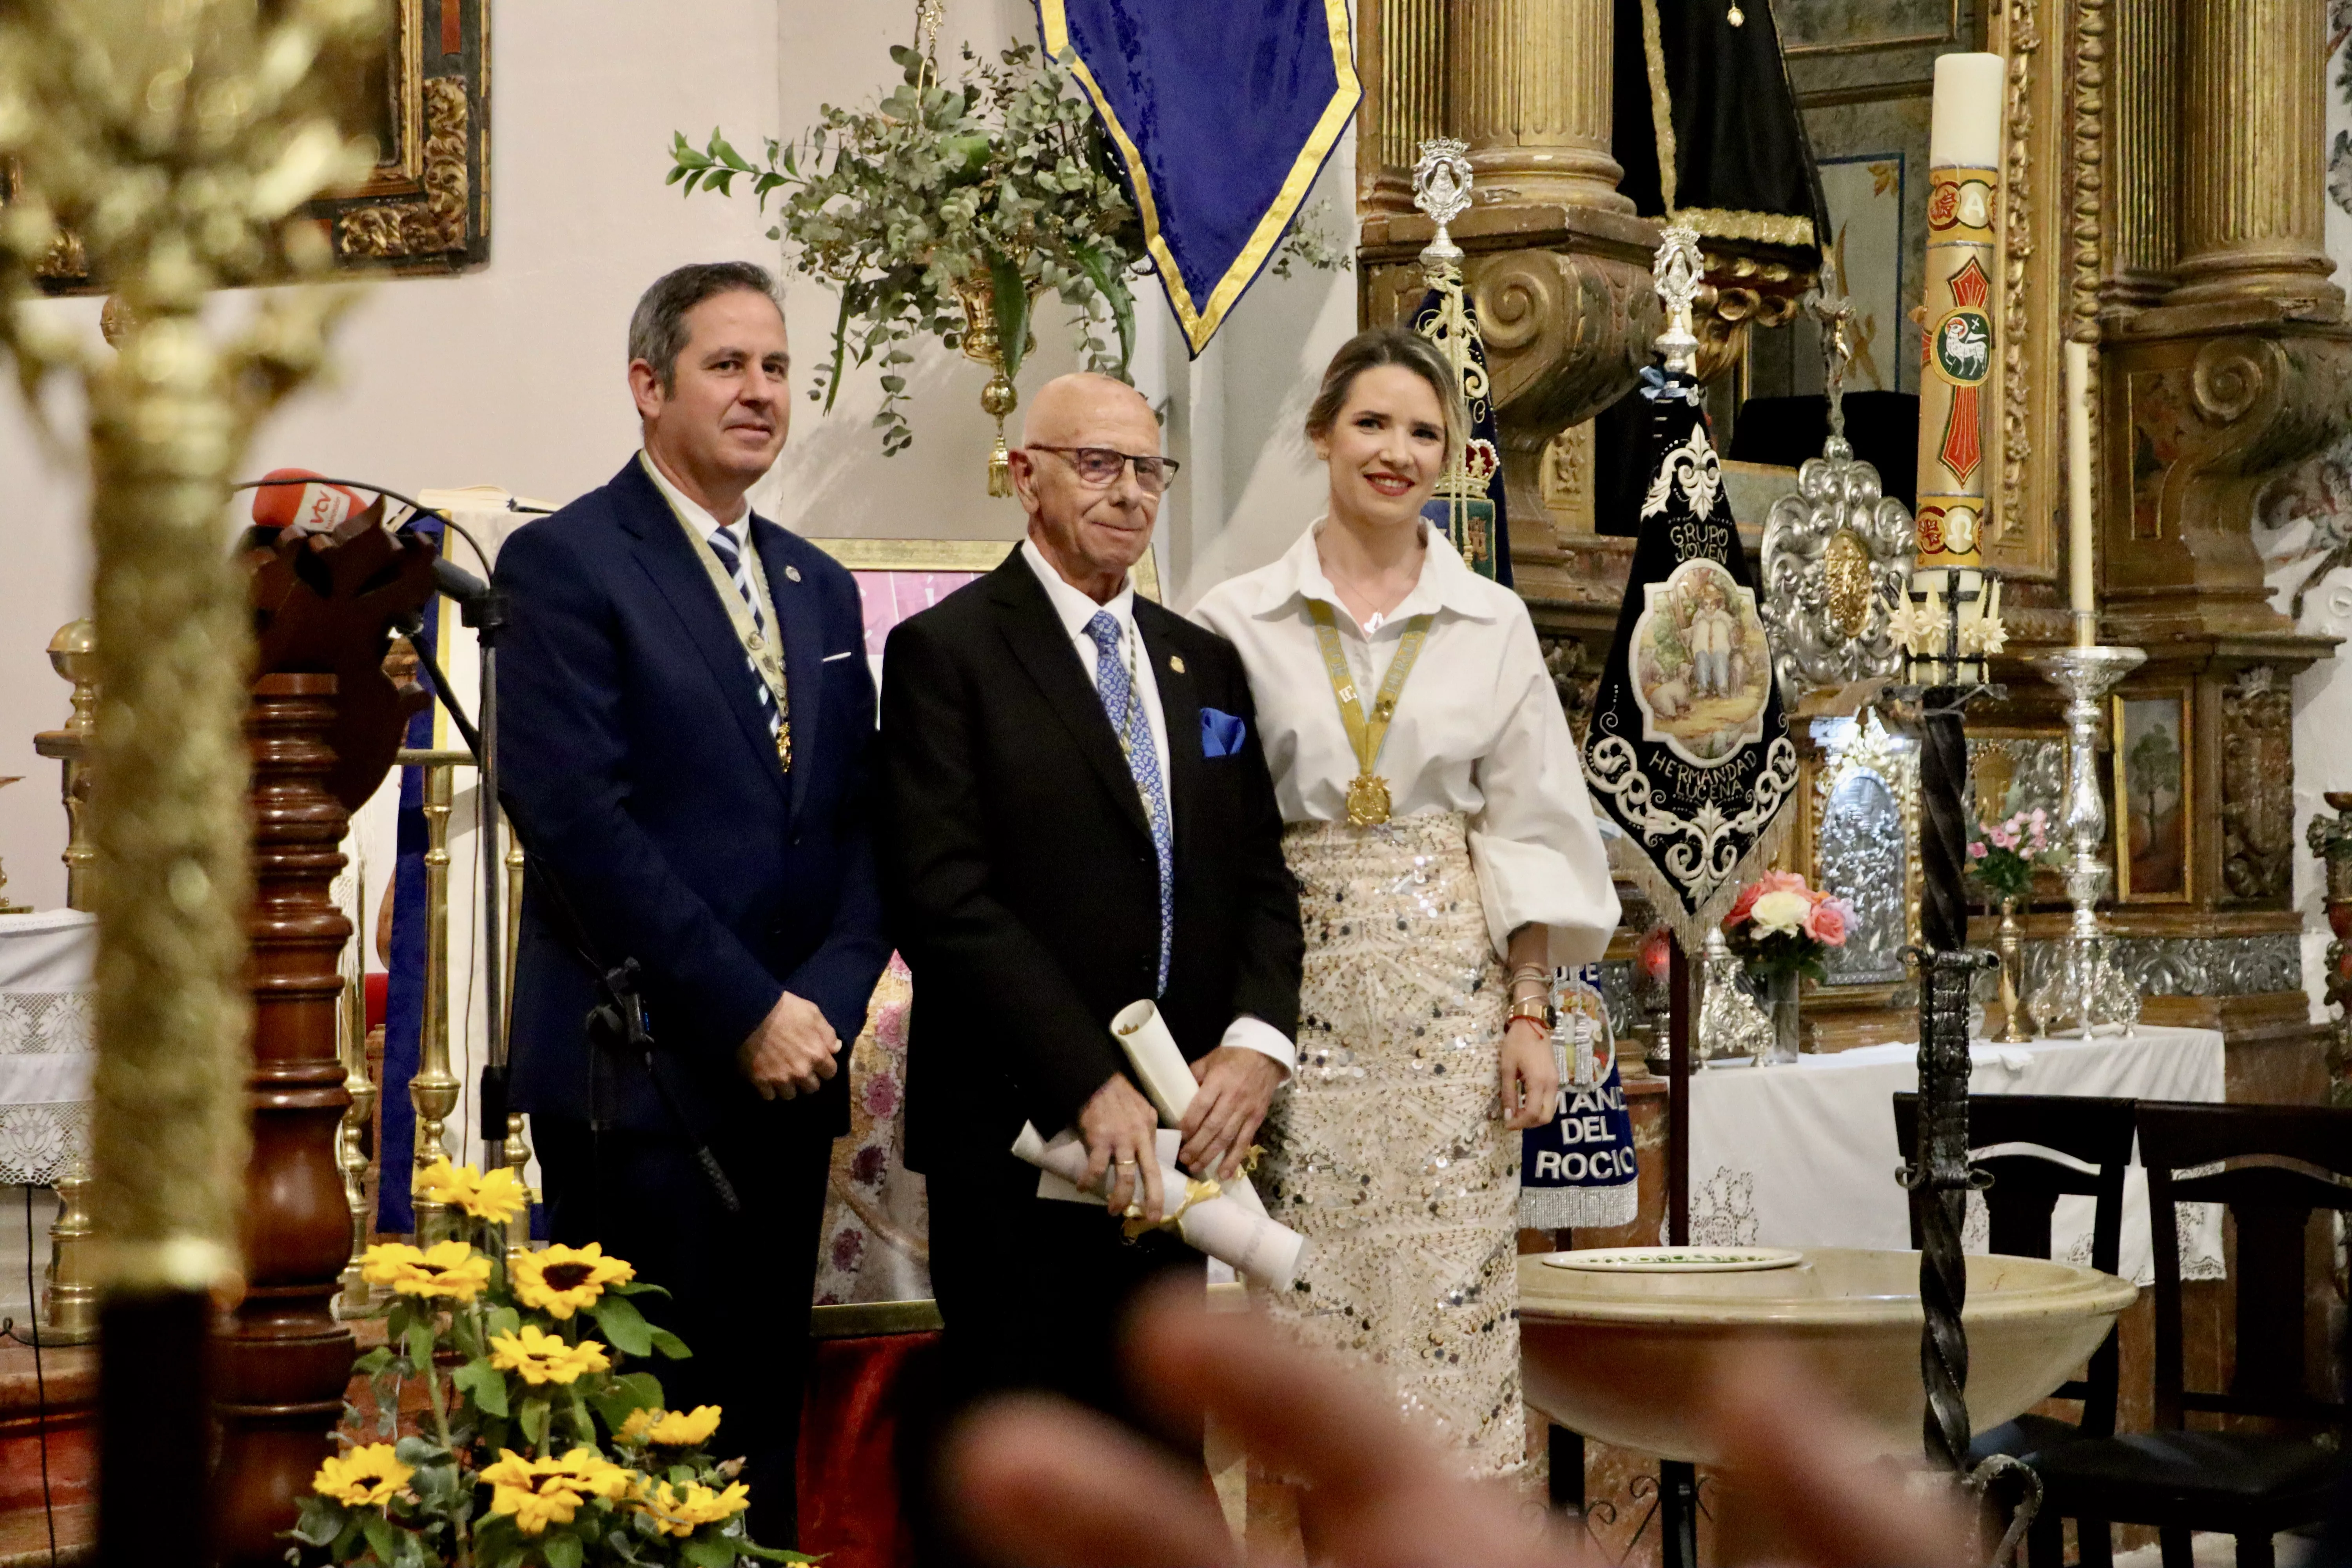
x=1477 y=730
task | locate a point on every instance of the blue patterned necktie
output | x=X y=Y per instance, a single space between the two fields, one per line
x=1119 y=700
x=730 y=556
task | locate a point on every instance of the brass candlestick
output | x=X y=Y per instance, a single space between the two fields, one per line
x=435 y=1088
x=73 y=654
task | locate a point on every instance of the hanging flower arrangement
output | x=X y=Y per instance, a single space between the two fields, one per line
x=538 y=1449
x=945 y=211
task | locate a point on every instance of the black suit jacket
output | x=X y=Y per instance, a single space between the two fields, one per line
x=637 y=764
x=1020 y=873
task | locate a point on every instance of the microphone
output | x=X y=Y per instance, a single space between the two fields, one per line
x=457 y=583
x=300 y=502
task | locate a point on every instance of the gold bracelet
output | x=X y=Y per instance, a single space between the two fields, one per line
x=1529 y=1007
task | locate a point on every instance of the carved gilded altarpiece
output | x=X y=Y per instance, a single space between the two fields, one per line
x=425 y=208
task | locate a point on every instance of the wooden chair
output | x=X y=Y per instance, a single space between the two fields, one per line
x=2273 y=1166
x=2026 y=1187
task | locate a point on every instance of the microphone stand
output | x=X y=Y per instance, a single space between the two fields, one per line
x=487 y=615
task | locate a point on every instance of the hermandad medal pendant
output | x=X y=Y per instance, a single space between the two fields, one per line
x=1367 y=801
x=785 y=745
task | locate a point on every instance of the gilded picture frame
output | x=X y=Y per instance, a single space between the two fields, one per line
x=425 y=208
x=2155 y=808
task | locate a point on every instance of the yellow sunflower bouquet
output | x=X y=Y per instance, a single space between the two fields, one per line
x=538 y=1445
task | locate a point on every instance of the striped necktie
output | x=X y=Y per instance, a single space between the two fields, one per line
x=1115 y=687
x=730 y=551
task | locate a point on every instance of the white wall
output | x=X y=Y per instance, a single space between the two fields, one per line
x=512 y=375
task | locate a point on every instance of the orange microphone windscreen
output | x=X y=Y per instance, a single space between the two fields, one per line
x=313 y=506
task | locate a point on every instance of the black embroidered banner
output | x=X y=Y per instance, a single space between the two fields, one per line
x=1688 y=749
x=1468 y=505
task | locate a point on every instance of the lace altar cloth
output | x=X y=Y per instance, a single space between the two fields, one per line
x=1805 y=1155
x=1388 y=1151
x=46 y=1051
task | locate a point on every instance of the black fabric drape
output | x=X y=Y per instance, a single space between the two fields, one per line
x=1739 y=142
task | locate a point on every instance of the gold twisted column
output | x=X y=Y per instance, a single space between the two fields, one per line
x=435 y=1088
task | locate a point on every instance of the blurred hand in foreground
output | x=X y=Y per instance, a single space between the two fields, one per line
x=1045 y=1484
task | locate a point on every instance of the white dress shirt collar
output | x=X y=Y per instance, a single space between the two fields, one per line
x=695 y=513
x=1445 y=582
x=1071 y=604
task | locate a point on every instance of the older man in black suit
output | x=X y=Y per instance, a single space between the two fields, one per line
x=687 y=725
x=1079 y=815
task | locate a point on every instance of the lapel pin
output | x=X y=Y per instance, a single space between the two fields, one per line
x=793 y=574
x=1176 y=663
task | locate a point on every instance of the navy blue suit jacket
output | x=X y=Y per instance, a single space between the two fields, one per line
x=638 y=765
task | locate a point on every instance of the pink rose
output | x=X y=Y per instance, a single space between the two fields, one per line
x=1770 y=883
x=1977 y=851
x=881 y=1097
x=2002 y=836
x=1826 y=924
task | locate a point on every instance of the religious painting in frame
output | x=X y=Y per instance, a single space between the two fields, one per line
x=1864 y=193
x=1816 y=28
x=425 y=205
x=2154 y=808
x=2013 y=770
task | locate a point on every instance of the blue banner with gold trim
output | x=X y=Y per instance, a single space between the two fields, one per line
x=1222 y=113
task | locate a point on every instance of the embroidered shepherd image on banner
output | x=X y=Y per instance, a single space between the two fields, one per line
x=1688 y=749
x=1468 y=500
x=1222 y=113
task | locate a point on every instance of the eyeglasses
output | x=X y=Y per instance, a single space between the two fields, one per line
x=1097 y=468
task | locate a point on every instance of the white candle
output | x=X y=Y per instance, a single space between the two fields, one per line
x=1965 y=133
x=2079 y=530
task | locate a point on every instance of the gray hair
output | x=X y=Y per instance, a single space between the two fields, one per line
x=657 y=332
x=1405 y=349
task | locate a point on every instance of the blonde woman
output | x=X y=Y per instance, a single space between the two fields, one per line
x=1437 y=819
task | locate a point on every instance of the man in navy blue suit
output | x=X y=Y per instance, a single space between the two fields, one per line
x=687 y=716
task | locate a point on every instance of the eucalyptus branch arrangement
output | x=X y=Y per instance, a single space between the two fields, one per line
x=944 y=211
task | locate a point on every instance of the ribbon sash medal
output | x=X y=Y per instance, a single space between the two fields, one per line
x=1688 y=749
x=763 y=652
x=1368 y=794
x=1579 y=1169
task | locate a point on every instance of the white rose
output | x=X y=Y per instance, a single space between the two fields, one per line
x=1777 y=913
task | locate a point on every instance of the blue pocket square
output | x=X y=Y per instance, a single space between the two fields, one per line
x=1222 y=733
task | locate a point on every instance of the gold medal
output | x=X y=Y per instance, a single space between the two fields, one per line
x=785 y=745
x=1368 y=804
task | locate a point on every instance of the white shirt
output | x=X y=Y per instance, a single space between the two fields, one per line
x=1076 y=609
x=695 y=515
x=1478 y=729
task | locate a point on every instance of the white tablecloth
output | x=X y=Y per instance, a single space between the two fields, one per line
x=1805 y=1155
x=44 y=1042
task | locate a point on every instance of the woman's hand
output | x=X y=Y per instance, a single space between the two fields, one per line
x=1530 y=1076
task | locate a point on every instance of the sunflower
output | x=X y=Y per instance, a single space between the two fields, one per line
x=562 y=1280
x=589 y=1473
x=542 y=1357
x=449 y=1268
x=673 y=1428
x=497 y=1197
x=364 y=1477
x=538 y=1492
x=681 y=1513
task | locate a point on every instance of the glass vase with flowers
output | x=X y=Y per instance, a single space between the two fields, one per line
x=1780 y=930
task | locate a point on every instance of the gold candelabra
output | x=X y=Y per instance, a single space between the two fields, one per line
x=435 y=1088
x=72 y=1311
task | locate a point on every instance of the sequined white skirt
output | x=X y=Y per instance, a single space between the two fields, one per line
x=1388 y=1151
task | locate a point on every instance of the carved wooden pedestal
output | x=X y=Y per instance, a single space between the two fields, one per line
x=284 y=1362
